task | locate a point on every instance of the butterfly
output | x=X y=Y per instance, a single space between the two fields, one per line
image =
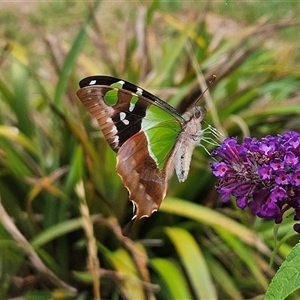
x=150 y=137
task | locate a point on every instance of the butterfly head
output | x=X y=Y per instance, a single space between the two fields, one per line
x=198 y=113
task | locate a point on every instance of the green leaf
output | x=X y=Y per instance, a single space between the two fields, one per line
x=223 y=278
x=76 y=171
x=70 y=60
x=21 y=100
x=209 y=217
x=17 y=162
x=172 y=54
x=14 y=135
x=127 y=270
x=194 y=263
x=245 y=254
x=56 y=231
x=38 y=295
x=287 y=278
x=176 y=283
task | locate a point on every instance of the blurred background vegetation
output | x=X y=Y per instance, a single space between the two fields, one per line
x=62 y=204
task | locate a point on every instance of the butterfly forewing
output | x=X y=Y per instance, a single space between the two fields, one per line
x=120 y=83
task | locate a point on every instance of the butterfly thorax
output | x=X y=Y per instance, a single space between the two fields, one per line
x=188 y=139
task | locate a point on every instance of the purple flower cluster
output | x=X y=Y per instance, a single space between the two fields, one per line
x=262 y=174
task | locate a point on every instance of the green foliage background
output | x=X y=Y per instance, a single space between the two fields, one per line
x=62 y=204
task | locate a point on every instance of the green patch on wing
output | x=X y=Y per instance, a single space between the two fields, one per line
x=111 y=96
x=118 y=84
x=161 y=129
x=133 y=101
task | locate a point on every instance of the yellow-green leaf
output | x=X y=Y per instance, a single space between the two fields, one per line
x=193 y=262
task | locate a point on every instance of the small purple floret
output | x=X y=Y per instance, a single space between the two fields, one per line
x=219 y=169
x=265 y=172
x=263 y=175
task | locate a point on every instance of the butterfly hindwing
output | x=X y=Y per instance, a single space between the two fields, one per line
x=146 y=183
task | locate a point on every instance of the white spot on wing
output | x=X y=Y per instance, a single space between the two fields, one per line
x=116 y=140
x=122 y=118
x=131 y=107
x=139 y=91
x=92 y=82
x=114 y=130
x=109 y=120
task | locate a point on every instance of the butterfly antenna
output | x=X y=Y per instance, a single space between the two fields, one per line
x=211 y=81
